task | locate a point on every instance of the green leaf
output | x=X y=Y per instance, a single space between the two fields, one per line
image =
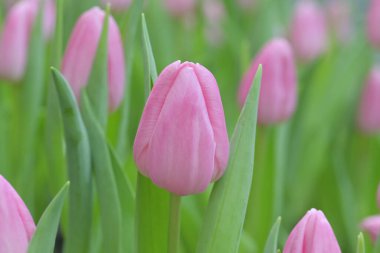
x=133 y=24
x=271 y=245
x=360 y=248
x=225 y=215
x=97 y=88
x=110 y=210
x=127 y=202
x=79 y=170
x=152 y=203
x=149 y=62
x=43 y=240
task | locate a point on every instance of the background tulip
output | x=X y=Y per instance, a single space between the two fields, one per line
x=308 y=31
x=118 y=4
x=339 y=14
x=14 y=41
x=182 y=142
x=369 y=114
x=278 y=93
x=180 y=7
x=81 y=51
x=313 y=234
x=17 y=226
x=372 y=226
x=373 y=20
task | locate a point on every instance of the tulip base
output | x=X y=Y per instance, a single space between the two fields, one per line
x=174 y=223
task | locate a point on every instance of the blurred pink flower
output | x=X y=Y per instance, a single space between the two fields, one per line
x=182 y=142
x=339 y=13
x=246 y=4
x=373 y=21
x=17 y=226
x=369 y=114
x=180 y=7
x=81 y=51
x=278 y=95
x=118 y=5
x=14 y=40
x=313 y=234
x=308 y=31
x=372 y=226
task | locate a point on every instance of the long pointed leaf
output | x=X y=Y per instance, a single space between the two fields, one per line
x=272 y=241
x=228 y=202
x=43 y=240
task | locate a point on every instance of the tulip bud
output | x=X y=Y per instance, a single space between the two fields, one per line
x=180 y=7
x=81 y=50
x=308 y=31
x=278 y=94
x=339 y=13
x=313 y=234
x=16 y=33
x=118 y=5
x=372 y=226
x=182 y=142
x=214 y=12
x=17 y=226
x=373 y=20
x=369 y=114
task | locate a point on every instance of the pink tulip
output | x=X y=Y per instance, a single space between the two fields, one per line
x=278 y=95
x=182 y=142
x=373 y=21
x=214 y=12
x=313 y=234
x=118 y=5
x=14 y=41
x=81 y=50
x=180 y=7
x=308 y=31
x=339 y=13
x=369 y=114
x=16 y=224
x=372 y=226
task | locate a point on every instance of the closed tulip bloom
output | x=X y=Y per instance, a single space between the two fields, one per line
x=118 y=5
x=372 y=226
x=339 y=12
x=369 y=113
x=17 y=226
x=278 y=95
x=81 y=50
x=373 y=20
x=180 y=7
x=308 y=31
x=182 y=142
x=313 y=234
x=15 y=36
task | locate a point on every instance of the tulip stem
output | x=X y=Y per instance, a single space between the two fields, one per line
x=174 y=223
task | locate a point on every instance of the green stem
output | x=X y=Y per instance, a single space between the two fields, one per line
x=174 y=223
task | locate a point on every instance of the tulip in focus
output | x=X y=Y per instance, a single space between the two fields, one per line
x=369 y=113
x=308 y=31
x=180 y=7
x=182 y=142
x=278 y=94
x=16 y=224
x=118 y=5
x=16 y=33
x=81 y=50
x=313 y=234
x=373 y=21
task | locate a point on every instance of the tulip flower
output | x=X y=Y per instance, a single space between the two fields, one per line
x=373 y=20
x=81 y=50
x=278 y=95
x=339 y=13
x=369 y=114
x=180 y=7
x=214 y=13
x=308 y=31
x=182 y=142
x=17 y=226
x=313 y=234
x=118 y=5
x=372 y=226
x=15 y=36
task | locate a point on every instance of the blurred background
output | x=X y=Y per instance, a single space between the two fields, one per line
x=324 y=159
